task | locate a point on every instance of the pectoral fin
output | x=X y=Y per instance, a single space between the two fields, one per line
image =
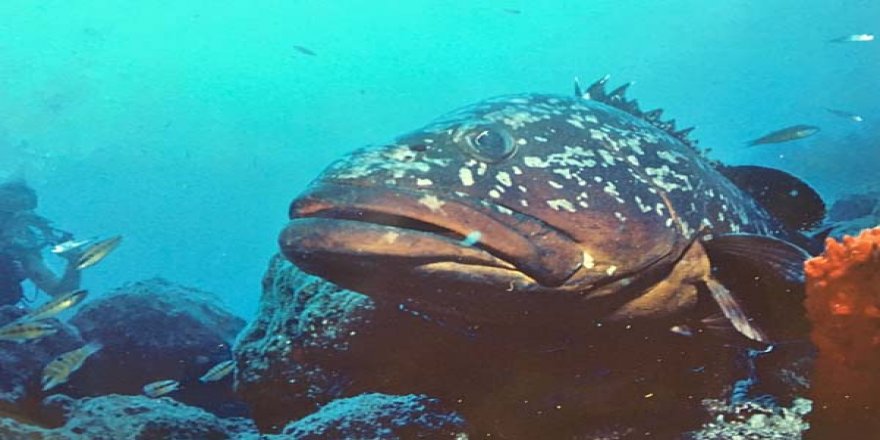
x=734 y=312
x=759 y=279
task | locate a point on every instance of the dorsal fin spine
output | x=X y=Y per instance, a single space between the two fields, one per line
x=617 y=98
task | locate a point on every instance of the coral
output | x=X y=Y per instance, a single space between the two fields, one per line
x=155 y=330
x=843 y=304
x=380 y=417
x=753 y=421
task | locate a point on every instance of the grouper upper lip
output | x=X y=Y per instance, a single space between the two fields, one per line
x=424 y=227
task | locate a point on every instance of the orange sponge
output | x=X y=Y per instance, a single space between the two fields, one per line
x=843 y=305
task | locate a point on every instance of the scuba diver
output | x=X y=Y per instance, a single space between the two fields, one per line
x=23 y=236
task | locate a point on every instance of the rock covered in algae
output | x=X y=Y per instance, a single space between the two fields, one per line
x=380 y=417
x=753 y=421
x=286 y=354
x=156 y=330
x=130 y=418
x=852 y=213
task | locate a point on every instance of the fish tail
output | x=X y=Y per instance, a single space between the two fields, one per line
x=93 y=347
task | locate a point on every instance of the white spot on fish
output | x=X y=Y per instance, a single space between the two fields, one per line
x=466 y=176
x=589 y=262
x=610 y=189
x=481 y=168
x=610 y=271
x=516 y=170
x=390 y=237
x=524 y=203
x=503 y=178
x=424 y=182
x=534 y=162
x=540 y=138
x=432 y=202
x=554 y=184
x=494 y=193
x=504 y=210
x=558 y=204
x=521 y=141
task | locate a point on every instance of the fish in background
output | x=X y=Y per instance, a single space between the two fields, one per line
x=845 y=114
x=854 y=38
x=55 y=306
x=97 y=252
x=21 y=332
x=218 y=371
x=786 y=134
x=161 y=388
x=70 y=245
x=305 y=50
x=59 y=370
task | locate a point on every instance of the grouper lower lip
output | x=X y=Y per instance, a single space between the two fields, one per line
x=334 y=220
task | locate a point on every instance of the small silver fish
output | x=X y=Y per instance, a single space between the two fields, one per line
x=305 y=50
x=161 y=388
x=854 y=38
x=55 y=306
x=98 y=252
x=787 y=134
x=218 y=371
x=683 y=330
x=845 y=114
x=25 y=331
x=59 y=370
x=70 y=245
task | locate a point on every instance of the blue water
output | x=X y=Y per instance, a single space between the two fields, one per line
x=189 y=126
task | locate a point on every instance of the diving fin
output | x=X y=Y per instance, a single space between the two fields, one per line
x=787 y=198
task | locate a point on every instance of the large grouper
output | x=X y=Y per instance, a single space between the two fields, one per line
x=558 y=215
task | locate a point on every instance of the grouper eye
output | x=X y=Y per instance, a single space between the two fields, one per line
x=489 y=144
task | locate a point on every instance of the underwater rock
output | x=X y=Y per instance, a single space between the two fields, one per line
x=843 y=303
x=286 y=354
x=313 y=342
x=380 y=417
x=131 y=417
x=753 y=421
x=156 y=330
x=852 y=213
x=22 y=364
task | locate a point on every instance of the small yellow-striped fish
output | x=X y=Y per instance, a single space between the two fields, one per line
x=70 y=245
x=59 y=370
x=55 y=306
x=97 y=252
x=218 y=371
x=161 y=388
x=25 y=331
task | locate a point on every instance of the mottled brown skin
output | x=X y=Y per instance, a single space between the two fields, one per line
x=588 y=217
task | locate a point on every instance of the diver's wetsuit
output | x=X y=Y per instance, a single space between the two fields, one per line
x=11 y=276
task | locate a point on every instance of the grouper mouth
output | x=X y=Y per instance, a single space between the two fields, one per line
x=333 y=226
